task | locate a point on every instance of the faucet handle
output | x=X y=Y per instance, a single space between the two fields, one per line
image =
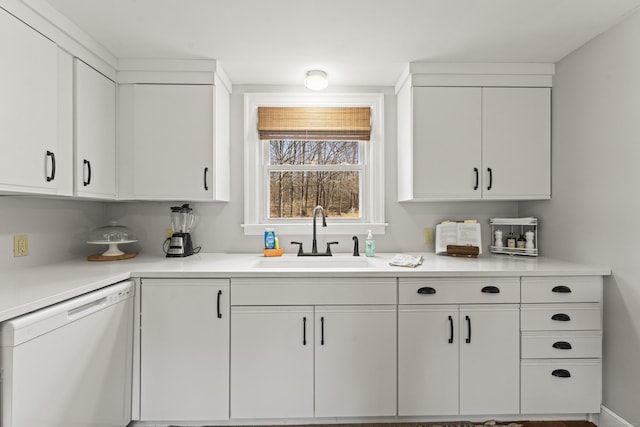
x=329 y=247
x=300 y=252
x=356 y=249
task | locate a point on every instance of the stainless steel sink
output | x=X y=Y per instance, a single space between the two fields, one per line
x=324 y=262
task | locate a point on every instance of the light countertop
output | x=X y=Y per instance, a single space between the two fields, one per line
x=22 y=291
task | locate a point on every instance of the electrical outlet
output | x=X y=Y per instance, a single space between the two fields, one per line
x=428 y=235
x=168 y=232
x=20 y=245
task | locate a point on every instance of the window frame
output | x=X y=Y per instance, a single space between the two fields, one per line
x=255 y=186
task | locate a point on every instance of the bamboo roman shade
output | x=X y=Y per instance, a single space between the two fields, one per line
x=315 y=123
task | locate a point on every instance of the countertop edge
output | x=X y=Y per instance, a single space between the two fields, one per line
x=27 y=290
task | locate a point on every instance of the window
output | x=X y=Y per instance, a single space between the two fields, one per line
x=296 y=158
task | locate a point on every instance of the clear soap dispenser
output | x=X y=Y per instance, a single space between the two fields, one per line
x=370 y=245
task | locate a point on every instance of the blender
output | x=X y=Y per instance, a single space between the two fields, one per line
x=180 y=242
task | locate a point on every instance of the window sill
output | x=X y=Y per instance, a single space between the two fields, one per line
x=304 y=229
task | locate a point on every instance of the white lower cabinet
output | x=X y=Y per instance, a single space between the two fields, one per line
x=300 y=359
x=451 y=355
x=355 y=366
x=184 y=349
x=272 y=353
x=561 y=321
x=300 y=362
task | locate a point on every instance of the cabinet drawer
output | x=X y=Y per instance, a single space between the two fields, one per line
x=560 y=317
x=552 y=345
x=562 y=289
x=313 y=291
x=459 y=291
x=561 y=386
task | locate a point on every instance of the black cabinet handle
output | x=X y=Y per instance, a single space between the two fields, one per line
x=561 y=317
x=468 y=340
x=450 y=330
x=322 y=331
x=562 y=345
x=206 y=171
x=304 y=330
x=561 y=289
x=219 y=314
x=490 y=178
x=53 y=166
x=475 y=187
x=427 y=290
x=561 y=373
x=87 y=163
x=491 y=290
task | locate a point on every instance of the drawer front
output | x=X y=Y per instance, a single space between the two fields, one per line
x=560 y=317
x=561 y=386
x=562 y=289
x=553 y=345
x=459 y=291
x=313 y=291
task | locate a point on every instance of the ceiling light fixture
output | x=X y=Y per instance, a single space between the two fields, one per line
x=316 y=80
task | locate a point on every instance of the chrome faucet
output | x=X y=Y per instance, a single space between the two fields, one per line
x=314 y=244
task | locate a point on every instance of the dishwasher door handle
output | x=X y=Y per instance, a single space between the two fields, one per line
x=87 y=309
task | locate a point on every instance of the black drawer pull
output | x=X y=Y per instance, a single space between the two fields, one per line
x=427 y=290
x=450 y=330
x=562 y=345
x=561 y=317
x=218 y=304
x=468 y=340
x=561 y=289
x=491 y=290
x=561 y=373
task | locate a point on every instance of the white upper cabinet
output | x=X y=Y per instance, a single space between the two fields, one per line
x=463 y=137
x=447 y=142
x=95 y=133
x=516 y=143
x=28 y=110
x=174 y=142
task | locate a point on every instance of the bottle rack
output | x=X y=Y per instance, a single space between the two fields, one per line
x=518 y=226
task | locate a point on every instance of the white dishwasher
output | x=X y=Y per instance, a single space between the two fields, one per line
x=69 y=364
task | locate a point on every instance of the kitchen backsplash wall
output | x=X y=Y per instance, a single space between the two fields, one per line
x=219 y=225
x=57 y=228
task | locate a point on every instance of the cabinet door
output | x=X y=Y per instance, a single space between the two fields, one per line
x=447 y=143
x=516 y=143
x=489 y=359
x=184 y=350
x=272 y=362
x=28 y=108
x=428 y=360
x=173 y=142
x=95 y=113
x=355 y=367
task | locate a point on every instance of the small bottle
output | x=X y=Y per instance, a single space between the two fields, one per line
x=498 y=239
x=529 y=240
x=370 y=245
x=520 y=242
x=511 y=241
x=269 y=238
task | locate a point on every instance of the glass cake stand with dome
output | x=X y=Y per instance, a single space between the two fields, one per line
x=112 y=235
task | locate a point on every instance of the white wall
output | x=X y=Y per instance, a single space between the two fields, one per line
x=57 y=229
x=219 y=227
x=596 y=172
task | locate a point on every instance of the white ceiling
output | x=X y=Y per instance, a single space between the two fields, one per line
x=357 y=42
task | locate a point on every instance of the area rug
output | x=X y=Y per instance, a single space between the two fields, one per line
x=438 y=424
x=492 y=423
